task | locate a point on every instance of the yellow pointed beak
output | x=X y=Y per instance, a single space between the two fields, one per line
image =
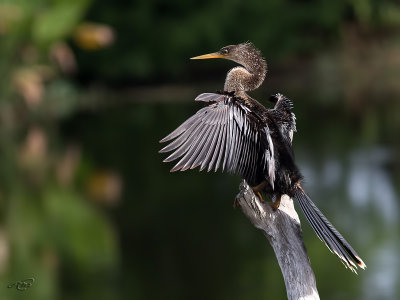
x=210 y=55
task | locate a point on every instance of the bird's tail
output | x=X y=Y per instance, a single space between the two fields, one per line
x=326 y=232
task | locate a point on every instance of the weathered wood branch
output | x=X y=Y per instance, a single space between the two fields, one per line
x=283 y=231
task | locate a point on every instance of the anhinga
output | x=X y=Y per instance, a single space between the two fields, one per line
x=238 y=134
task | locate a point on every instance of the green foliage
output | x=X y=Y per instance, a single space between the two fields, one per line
x=80 y=232
x=57 y=20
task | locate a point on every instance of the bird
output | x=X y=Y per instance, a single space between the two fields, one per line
x=239 y=135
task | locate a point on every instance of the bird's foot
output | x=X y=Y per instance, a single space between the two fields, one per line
x=237 y=204
x=258 y=189
x=260 y=197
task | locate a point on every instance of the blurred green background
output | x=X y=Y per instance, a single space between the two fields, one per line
x=87 y=89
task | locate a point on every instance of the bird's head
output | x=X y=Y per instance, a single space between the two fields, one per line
x=240 y=53
x=246 y=78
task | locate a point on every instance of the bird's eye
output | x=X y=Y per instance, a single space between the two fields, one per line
x=224 y=51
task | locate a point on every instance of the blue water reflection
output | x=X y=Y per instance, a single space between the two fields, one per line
x=370 y=184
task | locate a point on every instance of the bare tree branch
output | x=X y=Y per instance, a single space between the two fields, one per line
x=283 y=231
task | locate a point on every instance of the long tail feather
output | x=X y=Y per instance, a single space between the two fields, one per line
x=327 y=233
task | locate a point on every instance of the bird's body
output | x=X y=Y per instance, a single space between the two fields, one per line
x=238 y=134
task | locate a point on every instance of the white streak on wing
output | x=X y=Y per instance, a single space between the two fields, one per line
x=209 y=97
x=271 y=161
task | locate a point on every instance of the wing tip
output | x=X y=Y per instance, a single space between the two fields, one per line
x=167 y=160
x=165 y=139
x=162 y=150
x=174 y=169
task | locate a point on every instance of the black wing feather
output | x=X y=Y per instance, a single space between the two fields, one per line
x=283 y=115
x=224 y=134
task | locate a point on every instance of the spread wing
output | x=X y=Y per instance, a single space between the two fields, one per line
x=225 y=134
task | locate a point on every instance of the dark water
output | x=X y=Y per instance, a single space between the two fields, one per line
x=180 y=237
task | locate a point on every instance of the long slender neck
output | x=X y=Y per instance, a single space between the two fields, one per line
x=246 y=78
